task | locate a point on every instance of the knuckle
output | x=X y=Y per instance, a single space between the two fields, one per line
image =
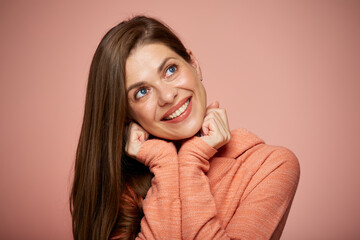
x=211 y=111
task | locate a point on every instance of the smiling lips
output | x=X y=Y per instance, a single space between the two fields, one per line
x=179 y=112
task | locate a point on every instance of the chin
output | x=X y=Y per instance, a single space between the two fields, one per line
x=179 y=132
x=183 y=135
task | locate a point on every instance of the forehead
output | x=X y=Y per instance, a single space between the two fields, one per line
x=144 y=61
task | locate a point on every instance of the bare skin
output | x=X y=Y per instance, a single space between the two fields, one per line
x=168 y=100
x=215 y=131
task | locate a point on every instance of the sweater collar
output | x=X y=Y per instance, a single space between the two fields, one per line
x=241 y=140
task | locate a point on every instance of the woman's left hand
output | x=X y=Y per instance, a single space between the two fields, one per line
x=215 y=129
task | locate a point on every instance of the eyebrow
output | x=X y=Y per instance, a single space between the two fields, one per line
x=138 y=84
x=161 y=66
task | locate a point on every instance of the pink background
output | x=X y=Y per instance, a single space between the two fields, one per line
x=289 y=71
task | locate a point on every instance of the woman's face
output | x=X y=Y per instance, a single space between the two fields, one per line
x=166 y=95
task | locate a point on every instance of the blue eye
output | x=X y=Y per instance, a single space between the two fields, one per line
x=170 y=71
x=142 y=92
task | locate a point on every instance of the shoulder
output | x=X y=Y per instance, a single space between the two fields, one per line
x=283 y=153
x=284 y=160
x=249 y=149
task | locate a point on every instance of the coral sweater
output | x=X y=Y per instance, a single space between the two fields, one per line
x=242 y=191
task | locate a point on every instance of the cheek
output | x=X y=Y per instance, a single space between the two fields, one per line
x=202 y=98
x=143 y=113
x=188 y=80
x=137 y=112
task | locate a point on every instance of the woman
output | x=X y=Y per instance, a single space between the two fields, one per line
x=155 y=162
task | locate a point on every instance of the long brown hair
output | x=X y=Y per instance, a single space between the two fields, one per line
x=108 y=186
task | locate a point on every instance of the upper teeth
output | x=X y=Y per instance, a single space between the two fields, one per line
x=179 y=111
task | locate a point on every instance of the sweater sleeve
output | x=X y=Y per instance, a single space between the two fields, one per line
x=260 y=215
x=199 y=220
x=266 y=202
x=161 y=206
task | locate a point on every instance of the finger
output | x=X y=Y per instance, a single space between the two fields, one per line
x=136 y=137
x=217 y=113
x=222 y=114
x=137 y=133
x=210 y=126
x=136 y=126
x=217 y=136
x=222 y=127
x=214 y=104
x=207 y=125
x=142 y=136
x=215 y=125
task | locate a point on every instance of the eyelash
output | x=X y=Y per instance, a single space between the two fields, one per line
x=171 y=66
x=136 y=93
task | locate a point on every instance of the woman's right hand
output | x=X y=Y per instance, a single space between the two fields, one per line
x=136 y=137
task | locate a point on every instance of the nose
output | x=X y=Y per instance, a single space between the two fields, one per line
x=166 y=94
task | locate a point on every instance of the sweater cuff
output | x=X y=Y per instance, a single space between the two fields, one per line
x=197 y=147
x=154 y=150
